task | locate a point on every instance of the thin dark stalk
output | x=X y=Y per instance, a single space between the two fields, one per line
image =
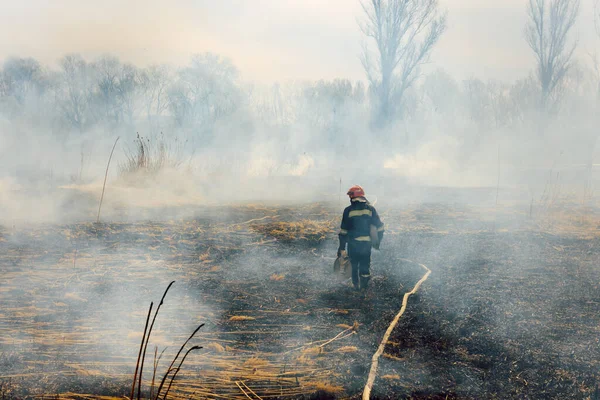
x=340 y=194
x=80 y=168
x=137 y=365
x=105 y=176
x=178 y=368
x=531 y=208
x=497 y=191
x=498 y=182
x=156 y=361
x=148 y=338
x=162 y=382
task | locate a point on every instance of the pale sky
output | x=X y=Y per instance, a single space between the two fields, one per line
x=268 y=40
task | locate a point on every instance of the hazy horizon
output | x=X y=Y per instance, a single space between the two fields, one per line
x=269 y=40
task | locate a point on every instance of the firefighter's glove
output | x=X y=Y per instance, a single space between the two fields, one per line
x=376 y=246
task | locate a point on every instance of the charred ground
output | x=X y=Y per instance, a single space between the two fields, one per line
x=509 y=310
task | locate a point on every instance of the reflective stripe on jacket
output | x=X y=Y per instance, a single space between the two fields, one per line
x=357 y=220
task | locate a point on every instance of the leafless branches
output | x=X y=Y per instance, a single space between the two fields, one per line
x=77 y=90
x=595 y=60
x=156 y=81
x=547 y=31
x=404 y=32
x=597 y=16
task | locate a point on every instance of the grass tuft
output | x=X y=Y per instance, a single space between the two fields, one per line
x=215 y=347
x=328 y=388
x=241 y=318
x=307 y=231
x=347 y=349
x=149 y=156
x=277 y=277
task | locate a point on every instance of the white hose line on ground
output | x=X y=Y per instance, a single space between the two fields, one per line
x=388 y=332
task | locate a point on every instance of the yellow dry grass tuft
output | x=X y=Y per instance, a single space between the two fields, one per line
x=327 y=388
x=215 y=347
x=255 y=362
x=305 y=359
x=313 y=350
x=204 y=256
x=338 y=311
x=347 y=349
x=391 y=377
x=241 y=318
x=570 y=220
x=277 y=277
x=307 y=230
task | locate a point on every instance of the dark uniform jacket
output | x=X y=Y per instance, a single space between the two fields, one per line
x=356 y=226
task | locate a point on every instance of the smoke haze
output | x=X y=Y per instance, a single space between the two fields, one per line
x=217 y=104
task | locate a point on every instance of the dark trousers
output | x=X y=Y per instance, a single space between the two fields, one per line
x=360 y=258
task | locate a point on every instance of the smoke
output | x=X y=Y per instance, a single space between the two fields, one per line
x=198 y=136
x=211 y=137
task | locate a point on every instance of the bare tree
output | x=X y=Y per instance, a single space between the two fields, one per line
x=129 y=92
x=597 y=16
x=75 y=91
x=326 y=104
x=404 y=33
x=106 y=71
x=156 y=81
x=438 y=93
x=547 y=31
x=23 y=78
x=595 y=61
x=205 y=92
x=118 y=89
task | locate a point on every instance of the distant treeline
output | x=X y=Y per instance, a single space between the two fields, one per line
x=208 y=98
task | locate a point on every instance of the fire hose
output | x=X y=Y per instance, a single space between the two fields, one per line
x=388 y=332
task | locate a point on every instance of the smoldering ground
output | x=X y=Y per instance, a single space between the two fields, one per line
x=494 y=310
x=508 y=302
x=490 y=184
x=94 y=328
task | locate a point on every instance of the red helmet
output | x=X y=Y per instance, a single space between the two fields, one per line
x=356 y=191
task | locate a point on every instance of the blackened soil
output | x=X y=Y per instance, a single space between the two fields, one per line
x=507 y=315
x=511 y=314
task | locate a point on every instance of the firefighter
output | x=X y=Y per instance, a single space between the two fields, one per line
x=355 y=231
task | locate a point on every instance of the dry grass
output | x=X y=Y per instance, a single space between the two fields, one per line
x=309 y=231
x=151 y=155
x=231 y=354
x=213 y=346
x=241 y=318
x=328 y=388
x=347 y=349
x=340 y=312
x=277 y=277
x=313 y=350
x=256 y=362
x=571 y=220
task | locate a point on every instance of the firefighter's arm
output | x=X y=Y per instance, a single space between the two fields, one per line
x=343 y=235
x=343 y=241
x=379 y=225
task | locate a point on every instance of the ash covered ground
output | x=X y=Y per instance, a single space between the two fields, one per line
x=509 y=310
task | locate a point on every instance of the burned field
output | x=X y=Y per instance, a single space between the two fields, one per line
x=509 y=310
